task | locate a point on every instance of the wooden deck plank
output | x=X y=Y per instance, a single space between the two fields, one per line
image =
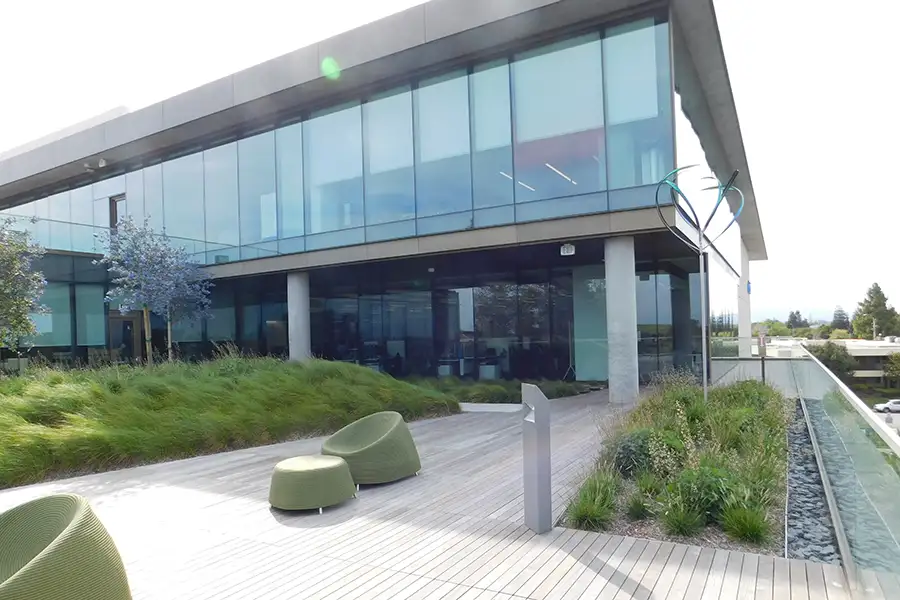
x=685 y=573
x=799 y=585
x=456 y=531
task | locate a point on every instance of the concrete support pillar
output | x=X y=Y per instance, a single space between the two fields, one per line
x=621 y=320
x=298 y=316
x=745 y=332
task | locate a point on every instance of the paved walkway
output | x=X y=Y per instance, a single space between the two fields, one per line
x=202 y=529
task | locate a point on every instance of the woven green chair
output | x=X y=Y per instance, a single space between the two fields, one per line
x=378 y=448
x=308 y=482
x=55 y=548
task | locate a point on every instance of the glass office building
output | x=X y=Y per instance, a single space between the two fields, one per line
x=544 y=129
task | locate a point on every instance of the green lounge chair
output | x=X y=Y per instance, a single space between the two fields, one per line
x=378 y=448
x=55 y=548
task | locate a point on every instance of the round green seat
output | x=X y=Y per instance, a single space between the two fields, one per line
x=55 y=548
x=308 y=482
x=378 y=448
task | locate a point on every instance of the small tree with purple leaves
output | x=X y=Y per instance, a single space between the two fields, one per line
x=21 y=286
x=151 y=274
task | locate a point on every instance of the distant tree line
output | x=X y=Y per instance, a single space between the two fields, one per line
x=874 y=318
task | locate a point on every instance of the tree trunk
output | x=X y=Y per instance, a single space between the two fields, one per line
x=148 y=336
x=169 y=333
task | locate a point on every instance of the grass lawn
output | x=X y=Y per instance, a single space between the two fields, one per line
x=690 y=465
x=55 y=423
x=502 y=391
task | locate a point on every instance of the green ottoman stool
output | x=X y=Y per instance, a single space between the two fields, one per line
x=308 y=482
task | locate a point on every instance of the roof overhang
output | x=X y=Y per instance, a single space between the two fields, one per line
x=430 y=37
x=715 y=119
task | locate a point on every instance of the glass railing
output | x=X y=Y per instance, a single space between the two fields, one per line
x=860 y=453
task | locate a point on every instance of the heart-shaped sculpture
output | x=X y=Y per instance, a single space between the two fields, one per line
x=704 y=240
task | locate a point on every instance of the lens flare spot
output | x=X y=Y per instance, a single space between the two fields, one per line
x=330 y=68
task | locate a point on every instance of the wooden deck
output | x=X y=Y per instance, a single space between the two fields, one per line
x=202 y=529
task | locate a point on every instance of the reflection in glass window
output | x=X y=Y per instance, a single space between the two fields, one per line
x=221 y=326
x=388 y=137
x=60 y=216
x=183 y=197
x=220 y=180
x=134 y=194
x=333 y=159
x=82 y=207
x=558 y=97
x=289 y=156
x=638 y=103
x=492 y=169
x=153 y=197
x=54 y=326
x=90 y=315
x=443 y=166
x=256 y=175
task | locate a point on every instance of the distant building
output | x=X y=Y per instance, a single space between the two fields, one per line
x=869 y=355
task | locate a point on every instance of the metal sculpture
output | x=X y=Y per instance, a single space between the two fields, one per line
x=703 y=241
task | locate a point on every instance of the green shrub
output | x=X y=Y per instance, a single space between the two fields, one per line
x=632 y=453
x=704 y=488
x=679 y=517
x=594 y=508
x=649 y=484
x=638 y=508
x=57 y=422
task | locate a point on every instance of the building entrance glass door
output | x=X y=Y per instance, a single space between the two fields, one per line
x=125 y=339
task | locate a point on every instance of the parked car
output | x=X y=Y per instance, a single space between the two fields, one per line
x=892 y=406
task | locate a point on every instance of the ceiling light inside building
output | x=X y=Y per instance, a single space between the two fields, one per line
x=526 y=186
x=560 y=173
x=507 y=175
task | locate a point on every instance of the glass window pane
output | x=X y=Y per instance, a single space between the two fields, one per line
x=492 y=168
x=60 y=216
x=221 y=326
x=183 y=197
x=256 y=174
x=220 y=179
x=443 y=164
x=108 y=187
x=101 y=213
x=390 y=181
x=333 y=160
x=134 y=194
x=90 y=316
x=558 y=99
x=153 y=197
x=41 y=229
x=289 y=154
x=82 y=205
x=638 y=103
x=54 y=326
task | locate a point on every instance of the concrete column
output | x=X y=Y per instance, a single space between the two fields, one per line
x=621 y=320
x=745 y=327
x=298 y=316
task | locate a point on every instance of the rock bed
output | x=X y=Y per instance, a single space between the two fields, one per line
x=810 y=534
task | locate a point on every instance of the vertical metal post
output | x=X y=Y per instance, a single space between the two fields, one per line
x=704 y=354
x=536 y=459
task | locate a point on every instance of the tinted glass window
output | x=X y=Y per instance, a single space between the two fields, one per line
x=289 y=156
x=256 y=176
x=492 y=168
x=443 y=166
x=390 y=182
x=183 y=198
x=333 y=159
x=558 y=99
x=220 y=176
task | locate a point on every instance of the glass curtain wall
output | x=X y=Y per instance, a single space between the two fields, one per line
x=579 y=126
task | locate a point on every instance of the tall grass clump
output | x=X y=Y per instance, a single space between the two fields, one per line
x=594 y=507
x=54 y=422
x=691 y=462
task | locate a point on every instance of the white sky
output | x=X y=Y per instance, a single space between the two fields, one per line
x=816 y=91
